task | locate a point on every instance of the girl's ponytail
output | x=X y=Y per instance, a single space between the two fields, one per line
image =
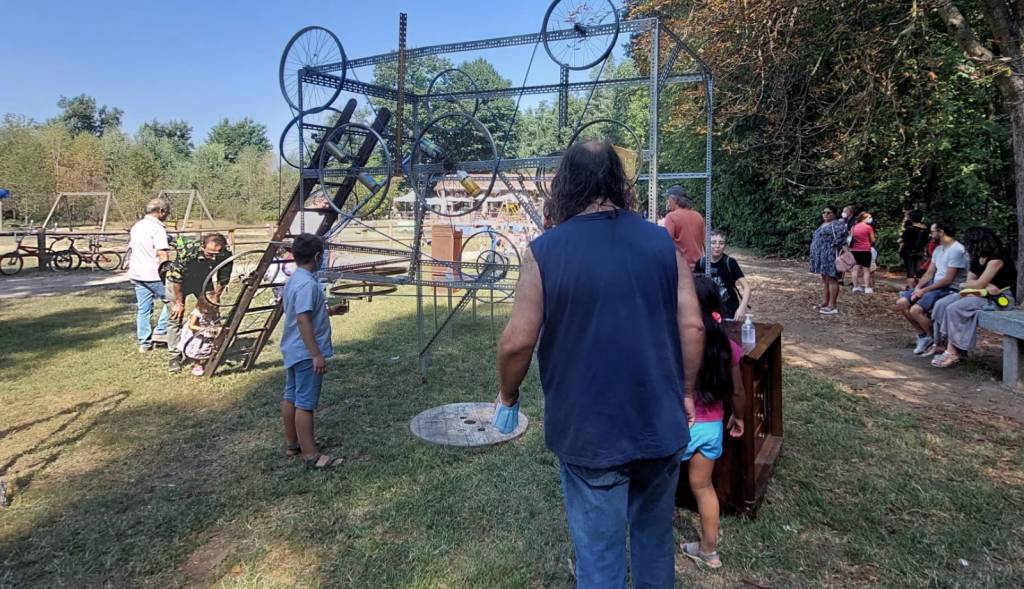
x=714 y=380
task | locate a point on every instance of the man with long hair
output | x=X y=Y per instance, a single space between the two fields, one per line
x=612 y=304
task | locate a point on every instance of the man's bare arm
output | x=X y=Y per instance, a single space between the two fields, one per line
x=515 y=350
x=691 y=326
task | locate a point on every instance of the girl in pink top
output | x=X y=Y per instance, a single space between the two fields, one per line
x=719 y=377
x=862 y=238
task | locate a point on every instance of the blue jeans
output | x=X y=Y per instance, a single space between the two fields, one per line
x=145 y=292
x=602 y=504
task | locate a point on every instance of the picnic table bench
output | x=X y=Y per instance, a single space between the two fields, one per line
x=1010 y=325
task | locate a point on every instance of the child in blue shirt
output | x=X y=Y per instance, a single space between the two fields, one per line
x=305 y=345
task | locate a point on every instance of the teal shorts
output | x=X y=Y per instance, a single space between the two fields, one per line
x=706 y=438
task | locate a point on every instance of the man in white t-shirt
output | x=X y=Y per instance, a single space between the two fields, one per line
x=149 y=247
x=945 y=274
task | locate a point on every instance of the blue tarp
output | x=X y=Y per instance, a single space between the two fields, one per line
x=4 y=193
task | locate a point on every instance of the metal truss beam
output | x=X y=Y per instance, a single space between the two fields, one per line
x=627 y=26
x=320 y=78
x=689 y=78
x=487 y=166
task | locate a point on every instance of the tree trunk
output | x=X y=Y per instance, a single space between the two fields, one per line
x=1015 y=105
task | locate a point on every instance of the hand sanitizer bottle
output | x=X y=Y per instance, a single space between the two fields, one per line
x=748 y=334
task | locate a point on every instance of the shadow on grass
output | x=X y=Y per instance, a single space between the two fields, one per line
x=193 y=488
x=34 y=338
x=205 y=468
x=74 y=424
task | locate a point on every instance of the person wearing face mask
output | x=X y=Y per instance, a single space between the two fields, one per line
x=861 y=243
x=186 y=276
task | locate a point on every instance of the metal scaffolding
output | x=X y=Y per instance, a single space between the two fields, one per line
x=311 y=82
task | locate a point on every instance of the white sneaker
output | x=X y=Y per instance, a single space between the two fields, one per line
x=858 y=289
x=923 y=343
x=828 y=311
x=869 y=290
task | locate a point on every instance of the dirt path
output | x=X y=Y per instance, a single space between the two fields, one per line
x=41 y=283
x=869 y=345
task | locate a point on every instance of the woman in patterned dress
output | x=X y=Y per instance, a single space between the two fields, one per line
x=828 y=238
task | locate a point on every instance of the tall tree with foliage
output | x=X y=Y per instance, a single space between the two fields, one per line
x=237 y=136
x=832 y=102
x=80 y=115
x=177 y=133
x=1000 y=54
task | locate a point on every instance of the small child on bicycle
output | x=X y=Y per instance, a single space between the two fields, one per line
x=196 y=342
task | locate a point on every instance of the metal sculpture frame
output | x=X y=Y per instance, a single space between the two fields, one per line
x=382 y=277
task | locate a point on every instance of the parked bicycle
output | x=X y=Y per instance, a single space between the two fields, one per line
x=12 y=262
x=72 y=257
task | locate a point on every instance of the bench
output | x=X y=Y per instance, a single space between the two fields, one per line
x=1010 y=325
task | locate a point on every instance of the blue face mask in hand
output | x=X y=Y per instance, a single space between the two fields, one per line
x=506 y=419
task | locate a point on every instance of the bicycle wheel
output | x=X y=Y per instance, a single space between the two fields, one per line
x=65 y=260
x=11 y=264
x=312 y=49
x=578 y=34
x=107 y=261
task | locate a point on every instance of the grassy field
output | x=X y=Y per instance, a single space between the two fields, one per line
x=122 y=475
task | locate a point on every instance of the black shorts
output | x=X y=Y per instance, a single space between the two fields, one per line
x=914 y=266
x=863 y=258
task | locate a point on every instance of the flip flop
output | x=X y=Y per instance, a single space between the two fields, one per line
x=322 y=462
x=292 y=450
x=711 y=559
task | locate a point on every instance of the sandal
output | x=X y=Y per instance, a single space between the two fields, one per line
x=946 y=360
x=692 y=550
x=293 y=449
x=322 y=462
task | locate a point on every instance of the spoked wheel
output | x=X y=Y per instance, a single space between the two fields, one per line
x=11 y=264
x=240 y=270
x=578 y=34
x=624 y=140
x=544 y=175
x=491 y=260
x=449 y=156
x=439 y=99
x=312 y=51
x=65 y=260
x=315 y=127
x=243 y=271
x=356 y=164
x=107 y=261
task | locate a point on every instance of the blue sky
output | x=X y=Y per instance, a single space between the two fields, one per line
x=205 y=60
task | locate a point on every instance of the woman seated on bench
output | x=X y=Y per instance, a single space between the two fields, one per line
x=991 y=280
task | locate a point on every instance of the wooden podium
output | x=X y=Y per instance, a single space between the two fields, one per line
x=742 y=473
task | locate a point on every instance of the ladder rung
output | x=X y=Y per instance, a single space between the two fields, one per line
x=260 y=309
x=248 y=331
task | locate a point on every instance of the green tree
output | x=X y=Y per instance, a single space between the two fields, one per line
x=80 y=115
x=177 y=133
x=237 y=136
